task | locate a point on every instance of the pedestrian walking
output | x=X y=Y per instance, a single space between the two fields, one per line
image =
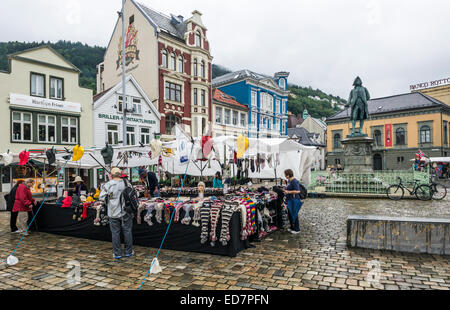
x=23 y=204
x=119 y=219
x=292 y=192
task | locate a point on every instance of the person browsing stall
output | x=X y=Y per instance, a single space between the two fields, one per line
x=217 y=181
x=292 y=192
x=151 y=182
x=80 y=187
x=120 y=221
x=10 y=199
x=23 y=204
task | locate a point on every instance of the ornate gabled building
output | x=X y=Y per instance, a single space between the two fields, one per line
x=170 y=58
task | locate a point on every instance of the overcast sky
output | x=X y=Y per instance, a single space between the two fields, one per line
x=323 y=43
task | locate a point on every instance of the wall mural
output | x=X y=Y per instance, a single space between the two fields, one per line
x=131 y=50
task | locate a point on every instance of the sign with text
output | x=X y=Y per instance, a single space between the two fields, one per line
x=388 y=131
x=430 y=84
x=43 y=103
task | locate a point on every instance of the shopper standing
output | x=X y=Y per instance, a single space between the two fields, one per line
x=217 y=181
x=23 y=204
x=119 y=220
x=10 y=205
x=151 y=182
x=294 y=203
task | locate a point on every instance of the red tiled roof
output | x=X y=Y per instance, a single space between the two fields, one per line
x=220 y=96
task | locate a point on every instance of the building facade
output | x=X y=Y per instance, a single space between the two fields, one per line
x=142 y=123
x=170 y=58
x=43 y=106
x=266 y=98
x=230 y=116
x=399 y=125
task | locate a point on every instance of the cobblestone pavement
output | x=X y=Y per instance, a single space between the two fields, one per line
x=316 y=259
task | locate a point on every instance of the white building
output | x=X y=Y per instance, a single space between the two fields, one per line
x=142 y=123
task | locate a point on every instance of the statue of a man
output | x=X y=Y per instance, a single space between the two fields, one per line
x=358 y=103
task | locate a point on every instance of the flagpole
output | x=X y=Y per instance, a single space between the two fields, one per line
x=124 y=94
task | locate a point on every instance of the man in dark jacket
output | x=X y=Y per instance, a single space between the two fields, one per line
x=151 y=181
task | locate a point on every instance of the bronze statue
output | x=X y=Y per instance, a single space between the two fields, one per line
x=358 y=103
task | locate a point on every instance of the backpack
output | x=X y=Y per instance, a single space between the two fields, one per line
x=130 y=199
x=303 y=192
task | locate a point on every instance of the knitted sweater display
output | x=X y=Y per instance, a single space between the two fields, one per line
x=214 y=218
x=205 y=211
x=227 y=213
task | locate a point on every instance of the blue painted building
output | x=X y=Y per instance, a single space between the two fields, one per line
x=265 y=96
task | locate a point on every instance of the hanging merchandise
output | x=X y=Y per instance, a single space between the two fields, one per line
x=6 y=159
x=214 y=218
x=207 y=146
x=258 y=163
x=77 y=153
x=227 y=213
x=242 y=146
x=51 y=156
x=108 y=154
x=23 y=158
x=263 y=161
x=269 y=160
x=197 y=215
x=183 y=141
x=156 y=148
x=205 y=211
x=252 y=165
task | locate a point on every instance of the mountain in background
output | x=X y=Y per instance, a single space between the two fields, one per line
x=86 y=58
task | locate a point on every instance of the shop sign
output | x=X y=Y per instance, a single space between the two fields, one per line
x=430 y=84
x=129 y=119
x=43 y=103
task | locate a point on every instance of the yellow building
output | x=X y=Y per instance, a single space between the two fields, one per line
x=42 y=106
x=399 y=125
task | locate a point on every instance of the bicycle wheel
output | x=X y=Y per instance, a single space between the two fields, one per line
x=438 y=191
x=395 y=192
x=423 y=192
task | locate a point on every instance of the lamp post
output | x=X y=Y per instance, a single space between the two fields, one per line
x=124 y=94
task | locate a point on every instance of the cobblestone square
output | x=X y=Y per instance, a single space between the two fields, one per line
x=318 y=258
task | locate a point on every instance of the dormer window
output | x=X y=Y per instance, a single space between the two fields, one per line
x=198 y=39
x=283 y=83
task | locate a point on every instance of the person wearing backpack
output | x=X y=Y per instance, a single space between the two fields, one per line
x=10 y=199
x=292 y=192
x=119 y=219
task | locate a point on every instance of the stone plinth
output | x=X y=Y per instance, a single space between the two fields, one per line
x=358 y=154
x=414 y=235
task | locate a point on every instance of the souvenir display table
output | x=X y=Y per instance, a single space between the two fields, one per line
x=217 y=225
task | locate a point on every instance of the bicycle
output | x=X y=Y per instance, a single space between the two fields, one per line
x=397 y=191
x=437 y=191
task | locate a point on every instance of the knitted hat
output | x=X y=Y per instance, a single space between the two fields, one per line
x=23 y=158
x=78 y=152
x=108 y=154
x=51 y=156
x=156 y=148
x=78 y=179
x=6 y=159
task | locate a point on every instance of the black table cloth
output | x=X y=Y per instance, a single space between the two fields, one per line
x=56 y=220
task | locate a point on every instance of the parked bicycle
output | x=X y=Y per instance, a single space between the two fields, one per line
x=397 y=191
x=438 y=191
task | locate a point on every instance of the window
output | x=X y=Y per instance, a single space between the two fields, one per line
x=253 y=119
x=267 y=102
x=254 y=99
x=445 y=133
x=37 y=85
x=400 y=136
x=164 y=58
x=112 y=134
x=218 y=115
x=131 y=20
x=180 y=64
x=269 y=123
x=172 y=61
x=195 y=96
x=425 y=134
x=284 y=128
x=277 y=124
x=56 y=88
x=284 y=107
x=69 y=130
x=202 y=69
x=120 y=104
x=400 y=159
x=171 y=121
x=243 y=120
x=235 y=118
x=337 y=141
x=47 y=128
x=195 y=67
x=137 y=106
x=131 y=136
x=203 y=98
x=22 y=127
x=227 y=117
x=277 y=106
x=283 y=83
x=145 y=135
x=198 y=39
x=377 y=138
x=173 y=92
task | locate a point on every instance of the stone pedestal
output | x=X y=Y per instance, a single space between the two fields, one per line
x=358 y=154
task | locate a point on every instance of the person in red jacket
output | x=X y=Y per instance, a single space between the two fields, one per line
x=23 y=204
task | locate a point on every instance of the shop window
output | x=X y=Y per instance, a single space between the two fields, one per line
x=173 y=92
x=69 y=130
x=203 y=98
x=47 y=128
x=172 y=61
x=180 y=64
x=425 y=134
x=22 y=127
x=243 y=120
x=171 y=121
x=37 y=85
x=56 y=88
x=164 y=58
x=337 y=141
x=218 y=115
x=131 y=136
x=145 y=136
x=112 y=134
x=400 y=136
